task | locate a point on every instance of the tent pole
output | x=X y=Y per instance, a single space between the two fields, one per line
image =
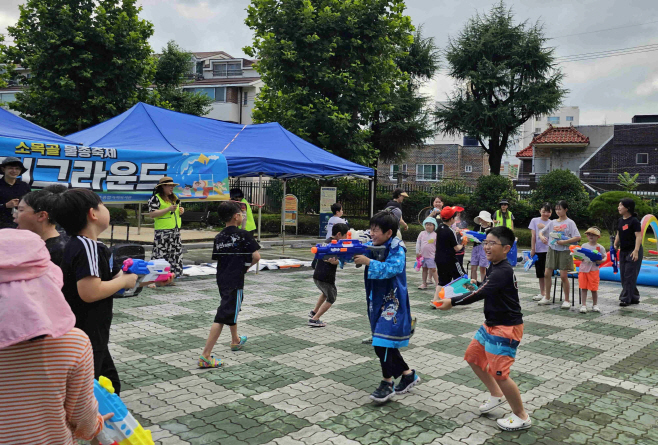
x=372 y=198
x=260 y=201
x=283 y=217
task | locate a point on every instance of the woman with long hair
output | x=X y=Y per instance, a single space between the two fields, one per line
x=165 y=209
x=628 y=243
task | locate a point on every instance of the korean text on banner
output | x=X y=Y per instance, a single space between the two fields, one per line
x=291 y=211
x=119 y=176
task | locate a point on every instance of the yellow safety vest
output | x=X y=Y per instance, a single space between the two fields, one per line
x=170 y=220
x=251 y=225
x=508 y=220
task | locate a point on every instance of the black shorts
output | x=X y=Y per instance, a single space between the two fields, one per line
x=449 y=271
x=540 y=265
x=328 y=290
x=229 y=306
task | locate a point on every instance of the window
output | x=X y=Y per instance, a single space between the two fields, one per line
x=554 y=120
x=398 y=168
x=569 y=118
x=538 y=130
x=216 y=94
x=642 y=158
x=470 y=141
x=429 y=172
x=227 y=69
x=538 y=118
x=7 y=97
x=220 y=94
x=245 y=98
x=468 y=169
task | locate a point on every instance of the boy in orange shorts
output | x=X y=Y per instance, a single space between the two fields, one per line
x=493 y=349
x=588 y=271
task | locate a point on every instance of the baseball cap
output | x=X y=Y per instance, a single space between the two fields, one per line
x=448 y=212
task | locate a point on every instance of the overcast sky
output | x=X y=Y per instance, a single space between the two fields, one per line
x=608 y=90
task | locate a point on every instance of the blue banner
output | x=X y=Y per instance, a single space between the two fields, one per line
x=119 y=176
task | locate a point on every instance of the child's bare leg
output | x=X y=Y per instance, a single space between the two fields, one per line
x=215 y=330
x=483 y=273
x=488 y=380
x=595 y=297
x=424 y=275
x=564 y=276
x=548 y=274
x=435 y=275
x=474 y=272
x=542 y=286
x=436 y=292
x=513 y=397
x=235 y=338
x=321 y=299
x=320 y=312
x=583 y=296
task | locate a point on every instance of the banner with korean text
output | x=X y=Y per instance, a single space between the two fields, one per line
x=120 y=176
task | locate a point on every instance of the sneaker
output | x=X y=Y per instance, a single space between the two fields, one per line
x=407 y=382
x=514 y=423
x=624 y=304
x=316 y=323
x=212 y=363
x=595 y=308
x=366 y=341
x=635 y=301
x=583 y=309
x=538 y=297
x=544 y=301
x=383 y=392
x=239 y=346
x=491 y=404
x=565 y=305
x=311 y=314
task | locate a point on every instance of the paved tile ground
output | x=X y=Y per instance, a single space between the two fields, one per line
x=585 y=379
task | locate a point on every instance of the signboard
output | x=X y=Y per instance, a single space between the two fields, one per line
x=290 y=215
x=120 y=176
x=327 y=198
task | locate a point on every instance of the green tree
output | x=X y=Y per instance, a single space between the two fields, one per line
x=628 y=182
x=505 y=75
x=490 y=190
x=5 y=68
x=172 y=68
x=603 y=208
x=328 y=66
x=562 y=185
x=89 y=61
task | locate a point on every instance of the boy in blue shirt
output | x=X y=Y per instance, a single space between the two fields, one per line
x=388 y=306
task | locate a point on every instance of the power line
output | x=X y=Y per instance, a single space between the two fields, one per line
x=602 y=30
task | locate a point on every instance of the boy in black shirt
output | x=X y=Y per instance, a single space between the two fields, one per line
x=89 y=281
x=235 y=251
x=447 y=265
x=492 y=351
x=325 y=279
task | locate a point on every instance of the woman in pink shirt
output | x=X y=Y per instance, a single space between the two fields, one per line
x=426 y=248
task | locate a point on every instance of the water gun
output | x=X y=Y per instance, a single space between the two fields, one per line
x=122 y=428
x=582 y=253
x=613 y=256
x=346 y=249
x=419 y=263
x=148 y=271
x=471 y=235
x=456 y=287
x=530 y=262
x=557 y=235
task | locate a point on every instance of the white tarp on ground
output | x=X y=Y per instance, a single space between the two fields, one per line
x=211 y=268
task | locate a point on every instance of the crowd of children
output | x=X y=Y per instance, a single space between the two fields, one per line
x=78 y=318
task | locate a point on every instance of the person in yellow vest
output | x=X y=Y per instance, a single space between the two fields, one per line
x=503 y=217
x=238 y=195
x=165 y=209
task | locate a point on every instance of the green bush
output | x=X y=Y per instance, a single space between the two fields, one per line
x=603 y=208
x=118 y=215
x=489 y=191
x=563 y=185
x=523 y=212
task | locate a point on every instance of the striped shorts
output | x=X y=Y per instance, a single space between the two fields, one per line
x=494 y=349
x=229 y=306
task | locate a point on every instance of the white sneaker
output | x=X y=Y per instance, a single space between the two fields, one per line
x=514 y=423
x=491 y=404
x=583 y=309
x=566 y=305
x=544 y=301
x=538 y=297
x=595 y=308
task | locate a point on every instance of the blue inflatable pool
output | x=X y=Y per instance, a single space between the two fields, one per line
x=648 y=274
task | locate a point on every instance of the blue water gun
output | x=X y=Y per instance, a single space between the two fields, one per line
x=472 y=235
x=346 y=249
x=122 y=428
x=581 y=252
x=149 y=271
x=613 y=256
x=530 y=262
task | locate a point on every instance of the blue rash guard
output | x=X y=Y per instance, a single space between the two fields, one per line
x=388 y=299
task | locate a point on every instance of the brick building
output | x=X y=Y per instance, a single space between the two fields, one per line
x=432 y=163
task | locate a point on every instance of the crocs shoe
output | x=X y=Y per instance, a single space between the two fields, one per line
x=514 y=423
x=239 y=346
x=212 y=363
x=491 y=404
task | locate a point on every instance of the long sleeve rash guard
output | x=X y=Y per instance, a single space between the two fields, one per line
x=501 y=296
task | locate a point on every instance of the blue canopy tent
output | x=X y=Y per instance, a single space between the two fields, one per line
x=15 y=127
x=250 y=150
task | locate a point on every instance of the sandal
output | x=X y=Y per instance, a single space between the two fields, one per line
x=423 y=286
x=212 y=363
x=239 y=346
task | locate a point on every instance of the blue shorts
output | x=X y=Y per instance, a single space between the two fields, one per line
x=478 y=257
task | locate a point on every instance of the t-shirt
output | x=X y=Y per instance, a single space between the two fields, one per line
x=84 y=257
x=426 y=244
x=534 y=225
x=330 y=224
x=56 y=246
x=7 y=193
x=233 y=249
x=587 y=265
x=500 y=292
x=567 y=228
x=396 y=209
x=627 y=228
x=325 y=272
x=445 y=245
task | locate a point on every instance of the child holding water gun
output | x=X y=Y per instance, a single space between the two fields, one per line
x=426 y=249
x=456 y=227
x=538 y=247
x=588 y=271
x=483 y=223
x=447 y=265
x=563 y=232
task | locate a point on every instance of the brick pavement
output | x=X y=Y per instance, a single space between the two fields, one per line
x=585 y=378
